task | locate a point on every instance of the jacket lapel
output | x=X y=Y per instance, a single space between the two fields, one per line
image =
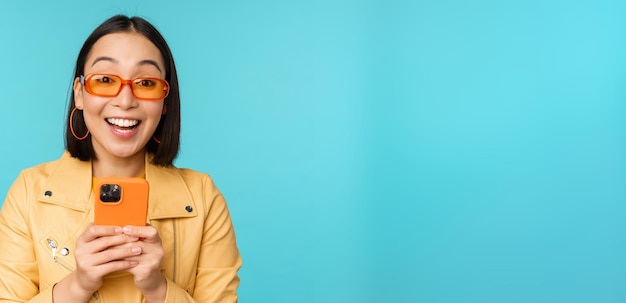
x=69 y=185
x=169 y=195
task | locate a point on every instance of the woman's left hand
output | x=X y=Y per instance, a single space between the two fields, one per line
x=148 y=277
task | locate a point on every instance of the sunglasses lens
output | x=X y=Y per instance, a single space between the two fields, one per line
x=142 y=88
x=150 y=88
x=104 y=85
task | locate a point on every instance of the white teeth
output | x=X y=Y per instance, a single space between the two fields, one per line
x=122 y=122
x=124 y=131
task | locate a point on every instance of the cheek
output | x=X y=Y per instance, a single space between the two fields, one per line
x=154 y=112
x=92 y=109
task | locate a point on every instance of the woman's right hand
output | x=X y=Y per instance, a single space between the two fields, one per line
x=100 y=250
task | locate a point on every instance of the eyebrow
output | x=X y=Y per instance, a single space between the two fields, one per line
x=150 y=62
x=142 y=62
x=103 y=59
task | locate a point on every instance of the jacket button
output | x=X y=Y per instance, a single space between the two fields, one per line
x=48 y=193
x=188 y=208
x=65 y=251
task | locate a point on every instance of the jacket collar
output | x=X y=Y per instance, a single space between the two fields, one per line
x=69 y=185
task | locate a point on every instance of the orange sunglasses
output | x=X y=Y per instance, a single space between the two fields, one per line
x=105 y=85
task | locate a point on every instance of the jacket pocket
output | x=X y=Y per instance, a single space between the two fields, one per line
x=58 y=254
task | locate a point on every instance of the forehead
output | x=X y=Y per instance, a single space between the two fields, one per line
x=127 y=49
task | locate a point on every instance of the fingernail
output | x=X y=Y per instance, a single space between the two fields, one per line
x=127 y=229
x=118 y=230
x=136 y=250
x=133 y=263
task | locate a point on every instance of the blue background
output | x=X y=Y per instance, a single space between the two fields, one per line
x=377 y=151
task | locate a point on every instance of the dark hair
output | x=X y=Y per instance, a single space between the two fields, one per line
x=168 y=130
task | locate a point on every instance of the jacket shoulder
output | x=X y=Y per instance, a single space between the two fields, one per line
x=39 y=173
x=189 y=173
x=36 y=177
x=197 y=180
x=30 y=182
x=43 y=169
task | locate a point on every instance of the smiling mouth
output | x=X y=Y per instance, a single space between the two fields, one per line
x=123 y=125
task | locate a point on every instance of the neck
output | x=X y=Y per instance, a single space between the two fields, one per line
x=119 y=167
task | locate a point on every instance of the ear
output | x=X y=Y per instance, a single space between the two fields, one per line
x=78 y=93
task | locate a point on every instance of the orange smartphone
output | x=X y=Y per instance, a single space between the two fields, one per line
x=121 y=201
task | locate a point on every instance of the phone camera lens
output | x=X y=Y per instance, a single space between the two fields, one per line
x=110 y=193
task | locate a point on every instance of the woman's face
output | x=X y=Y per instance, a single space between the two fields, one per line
x=121 y=126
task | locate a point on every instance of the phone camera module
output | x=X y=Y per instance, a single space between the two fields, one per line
x=110 y=193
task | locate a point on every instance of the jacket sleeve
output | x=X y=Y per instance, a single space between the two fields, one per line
x=18 y=264
x=219 y=259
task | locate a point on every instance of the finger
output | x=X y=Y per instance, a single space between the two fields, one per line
x=117 y=265
x=148 y=233
x=115 y=254
x=95 y=231
x=147 y=261
x=148 y=248
x=147 y=258
x=103 y=243
x=128 y=243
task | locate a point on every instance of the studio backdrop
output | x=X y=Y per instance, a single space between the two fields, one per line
x=376 y=151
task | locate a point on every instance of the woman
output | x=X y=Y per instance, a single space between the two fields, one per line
x=123 y=121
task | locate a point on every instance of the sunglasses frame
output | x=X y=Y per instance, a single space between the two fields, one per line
x=85 y=82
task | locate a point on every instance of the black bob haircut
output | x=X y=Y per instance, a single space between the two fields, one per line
x=168 y=130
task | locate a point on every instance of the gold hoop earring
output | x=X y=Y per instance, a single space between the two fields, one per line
x=72 y=127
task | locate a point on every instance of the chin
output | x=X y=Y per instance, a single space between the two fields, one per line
x=124 y=153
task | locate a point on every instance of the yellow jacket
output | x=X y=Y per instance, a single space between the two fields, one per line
x=50 y=205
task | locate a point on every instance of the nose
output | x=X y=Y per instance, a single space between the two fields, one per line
x=125 y=98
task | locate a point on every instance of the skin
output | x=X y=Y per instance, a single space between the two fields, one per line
x=101 y=250
x=128 y=55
